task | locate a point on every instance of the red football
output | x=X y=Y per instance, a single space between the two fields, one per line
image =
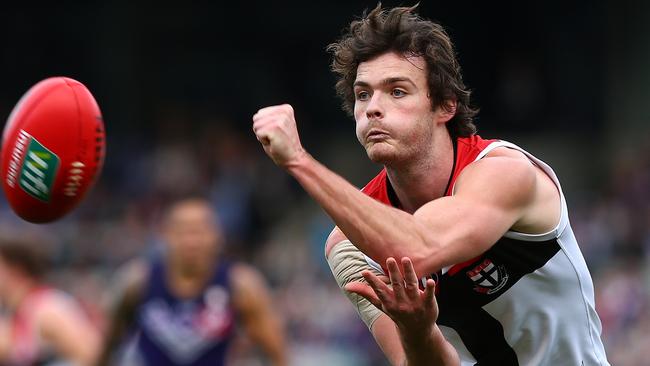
x=53 y=149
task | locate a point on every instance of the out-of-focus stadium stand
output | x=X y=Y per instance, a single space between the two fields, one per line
x=178 y=86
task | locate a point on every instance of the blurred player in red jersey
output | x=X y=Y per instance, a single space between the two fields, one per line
x=485 y=218
x=39 y=325
x=183 y=306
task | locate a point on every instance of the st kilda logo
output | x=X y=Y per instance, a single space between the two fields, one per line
x=488 y=278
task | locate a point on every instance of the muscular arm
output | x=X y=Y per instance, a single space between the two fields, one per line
x=442 y=232
x=63 y=324
x=492 y=195
x=260 y=321
x=121 y=306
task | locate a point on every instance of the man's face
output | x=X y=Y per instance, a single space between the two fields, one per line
x=392 y=108
x=192 y=234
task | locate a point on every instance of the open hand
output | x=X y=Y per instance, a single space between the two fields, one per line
x=403 y=301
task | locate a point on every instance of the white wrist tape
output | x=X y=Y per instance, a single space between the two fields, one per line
x=347 y=263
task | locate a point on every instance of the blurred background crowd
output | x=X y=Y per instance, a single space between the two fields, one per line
x=178 y=85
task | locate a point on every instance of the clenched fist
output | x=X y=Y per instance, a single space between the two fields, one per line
x=275 y=127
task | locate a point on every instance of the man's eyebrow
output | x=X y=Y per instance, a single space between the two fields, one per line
x=386 y=81
x=361 y=84
x=394 y=80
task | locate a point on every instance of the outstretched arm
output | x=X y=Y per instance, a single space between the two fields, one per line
x=485 y=202
x=63 y=324
x=413 y=311
x=261 y=322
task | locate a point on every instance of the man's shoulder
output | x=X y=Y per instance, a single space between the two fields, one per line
x=246 y=283
x=470 y=148
x=242 y=274
x=48 y=299
x=475 y=142
x=485 y=180
x=135 y=271
x=131 y=278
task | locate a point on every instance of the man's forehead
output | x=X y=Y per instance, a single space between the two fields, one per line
x=391 y=64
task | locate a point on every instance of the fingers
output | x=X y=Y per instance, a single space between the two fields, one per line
x=267 y=111
x=383 y=292
x=410 y=278
x=264 y=116
x=365 y=291
x=396 y=279
x=384 y=279
x=261 y=135
x=275 y=127
x=430 y=292
x=275 y=108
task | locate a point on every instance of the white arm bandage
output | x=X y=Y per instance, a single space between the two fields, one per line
x=347 y=263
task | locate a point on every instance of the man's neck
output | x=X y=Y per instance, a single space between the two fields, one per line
x=188 y=282
x=424 y=179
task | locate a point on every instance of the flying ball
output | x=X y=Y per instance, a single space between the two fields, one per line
x=53 y=148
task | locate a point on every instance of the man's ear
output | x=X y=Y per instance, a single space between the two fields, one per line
x=447 y=110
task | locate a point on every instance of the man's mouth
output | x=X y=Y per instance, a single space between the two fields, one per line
x=375 y=135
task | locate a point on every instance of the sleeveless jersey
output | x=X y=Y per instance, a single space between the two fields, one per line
x=27 y=346
x=173 y=331
x=528 y=300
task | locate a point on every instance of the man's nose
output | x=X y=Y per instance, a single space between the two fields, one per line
x=375 y=108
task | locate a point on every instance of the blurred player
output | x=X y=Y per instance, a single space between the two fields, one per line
x=485 y=217
x=39 y=325
x=183 y=308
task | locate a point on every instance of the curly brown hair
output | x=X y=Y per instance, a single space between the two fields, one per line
x=401 y=30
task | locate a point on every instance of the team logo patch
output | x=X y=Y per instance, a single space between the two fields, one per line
x=488 y=278
x=38 y=171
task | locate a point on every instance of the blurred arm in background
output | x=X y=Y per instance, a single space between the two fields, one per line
x=63 y=325
x=4 y=336
x=42 y=323
x=121 y=308
x=259 y=319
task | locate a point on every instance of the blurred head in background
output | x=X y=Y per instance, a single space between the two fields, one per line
x=21 y=267
x=193 y=235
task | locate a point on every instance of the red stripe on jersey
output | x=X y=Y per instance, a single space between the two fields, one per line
x=468 y=149
x=458 y=267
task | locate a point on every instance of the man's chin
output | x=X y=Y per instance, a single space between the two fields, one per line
x=381 y=154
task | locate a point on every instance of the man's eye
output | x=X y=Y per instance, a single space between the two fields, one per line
x=398 y=93
x=363 y=95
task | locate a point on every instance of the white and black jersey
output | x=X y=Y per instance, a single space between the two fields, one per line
x=528 y=300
